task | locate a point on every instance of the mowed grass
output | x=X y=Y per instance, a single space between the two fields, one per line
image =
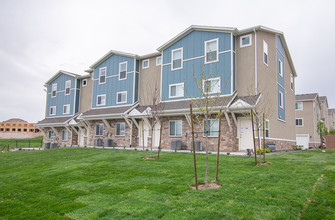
x=8 y=144
x=115 y=184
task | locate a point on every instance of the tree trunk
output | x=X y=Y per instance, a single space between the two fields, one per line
x=263 y=138
x=143 y=138
x=152 y=138
x=253 y=135
x=160 y=139
x=194 y=155
x=218 y=153
x=259 y=141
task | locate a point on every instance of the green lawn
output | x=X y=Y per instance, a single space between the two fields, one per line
x=6 y=144
x=114 y=184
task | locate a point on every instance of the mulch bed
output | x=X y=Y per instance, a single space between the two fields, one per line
x=211 y=185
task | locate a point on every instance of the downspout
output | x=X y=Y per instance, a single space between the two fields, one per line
x=256 y=86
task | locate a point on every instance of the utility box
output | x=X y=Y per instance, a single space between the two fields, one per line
x=108 y=143
x=271 y=146
x=47 y=145
x=53 y=145
x=176 y=144
x=198 y=145
x=98 y=142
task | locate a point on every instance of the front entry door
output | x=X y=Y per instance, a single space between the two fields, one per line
x=245 y=134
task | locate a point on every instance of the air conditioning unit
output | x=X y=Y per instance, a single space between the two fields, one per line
x=198 y=145
x=98 y=142
x=108 y=142
x=176 y=144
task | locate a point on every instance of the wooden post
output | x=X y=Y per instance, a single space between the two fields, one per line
x=143 y=138
x=160 y=139
x=253 y=135
x=194 y=156
x=263 y=138
x=218 y=153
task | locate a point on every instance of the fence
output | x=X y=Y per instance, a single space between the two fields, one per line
x=6 y=145
x=330 y=142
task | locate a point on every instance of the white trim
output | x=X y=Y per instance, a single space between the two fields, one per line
x=102 y=104
x=100 y=69
x=181 y=62
x=256 y=63
x=280 y=67
x=266 y=52
x=302 y=122
x=225 y=95
x=124 y=124
x=82 y=82
x=302 y=106
x=145 y=67
x=292 y=82
x=159 y=57
x=125 y=62
x=121 y=102
x=66 y=82
x=181 y=134
x=52 y=89
x=138 y=87
x=250 y=40
x=279 y=119
x=281 y=100
x=69 y=107
x=279 y=139
x=52 y=107
x=176 y=84
x=231 y=64
x=211 y=79
x=217 y=50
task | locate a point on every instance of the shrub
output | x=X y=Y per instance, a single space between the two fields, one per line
x=228 y=153
x=297 y=147
x=266 y=150
x=135 y=149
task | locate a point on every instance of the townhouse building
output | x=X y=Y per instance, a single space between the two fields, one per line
x=331 y=118
x=324 y=110
x=144 y=100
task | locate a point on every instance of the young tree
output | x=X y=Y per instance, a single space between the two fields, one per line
x=322 y=130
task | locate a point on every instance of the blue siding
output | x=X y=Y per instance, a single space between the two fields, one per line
x=137 y=66
x=61 y=99
x=234 y=43
x=280 y=79
x=113 y=84
x=136 y=86
x=279 y=45
x=194 y=47
x=281 y=111
x=234 y=72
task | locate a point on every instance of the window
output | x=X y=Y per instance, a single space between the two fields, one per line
x=212 y=85
x=245 y=40
x=280 y=67
x=211 y=128
x=211 y=48
x=145 y=64
x=299 y=106
x=51 y=135
x=177 y=59
x=67 y=87
x=54 y=90
x=84 y=83
x=99 y=129
x=102 y=75
x=65 y=135
x=299 y=122
x=123 y=71
x=265 y=53
x=66 y=109
x=292 y=82
x=101 y=100
x=121 y=97
x=175 y=128
x=176 y=90
x=158 y=61
x=53 y=110
x=281 y=100
x=267 y=128
x=120 y=129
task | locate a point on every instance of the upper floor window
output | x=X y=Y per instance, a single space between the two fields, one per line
x=267 y=128
x=158 y=61
x=292 y=82
x=299 y=106
x=66 y=109
x=211 y=48
x=120 y=129
x=176 y=90
x=67 y=87
x=53 y=110
x=123 y=70
x=212 y=85
x=145 y=64
x=84 y=82
x=99 y=129
x=102 y=75
x=281 y=99
x=265 y=52
x=299 y=122
x=51 y=135
x=175 y=128
x=245 y=40
x=101 y=100
x=211 y=128
x=65 y=135
x=280 y=67
x=177 y=59
x=121 y=97
x=54 y=90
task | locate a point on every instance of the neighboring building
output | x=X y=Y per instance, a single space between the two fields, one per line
x=308 y=113
x=252 y=69
x=331 y=118
x=16 y=125
x=324 y=110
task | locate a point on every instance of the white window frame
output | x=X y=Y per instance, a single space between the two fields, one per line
x=54 y=89
x=51 y=135
x=143 y=64
x=52 y=107
x=210 y=127
x=176 y=84
x=124 y=129
x=298 y=109
x=84 y=82
x=217 y=50
x=101 y=104
x=292 y=82
x=126 y=62
x=100 y=74
x=302 y=122
x=64 y=106
x=280 y=66
x=181 y=62
x=175 y=133
x=67 y=135
x=267 y=122
x=96 y=133
x=212 y=79
x=159 y=58
x=117 y=95
x=265 y=51
x=281 y=100
x=246 y=36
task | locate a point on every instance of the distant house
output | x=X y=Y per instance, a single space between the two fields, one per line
x=331 y=118
x=16 y=125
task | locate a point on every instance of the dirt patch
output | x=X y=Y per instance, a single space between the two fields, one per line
x=266 y=163
x=211 y=185
x=150 y=158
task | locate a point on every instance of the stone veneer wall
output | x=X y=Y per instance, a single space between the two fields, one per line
x=281 y=145
x=229 y=142
x=72 y=138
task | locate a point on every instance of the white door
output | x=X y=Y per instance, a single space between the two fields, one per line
x=146 y=134
x=245 y=134
x=303 y=139
x=81 y=137
x=156 y=135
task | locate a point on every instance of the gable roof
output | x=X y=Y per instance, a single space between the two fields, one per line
x=59 y=73
x=306 y=97
x=331 y=111
x=324 y=99
x=109 y=54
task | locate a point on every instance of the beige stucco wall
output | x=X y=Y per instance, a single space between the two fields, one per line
x=85 y=101
x=331 y=121
x=324 y=112
x=150 y=80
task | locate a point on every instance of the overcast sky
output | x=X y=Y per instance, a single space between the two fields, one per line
x=40 y=37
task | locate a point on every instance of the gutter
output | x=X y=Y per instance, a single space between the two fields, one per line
x=256 y=86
